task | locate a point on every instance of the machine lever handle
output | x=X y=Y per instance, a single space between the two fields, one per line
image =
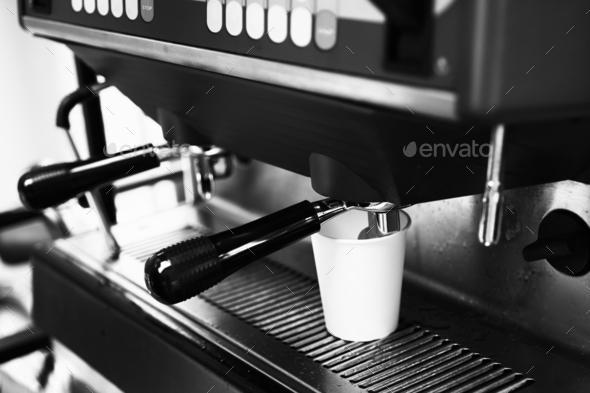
x=52 y=185
x=184 y=270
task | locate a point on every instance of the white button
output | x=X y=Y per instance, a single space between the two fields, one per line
x=277 y=20
x=103 y=7
x=214 y=16
x=77 y=5
x=234 y=17
x=326 y=29
x=147 y=10
x=89 y=6
x=255 y=19
x=117 y=8
x=326 y=24
x=301 y=22
x=132 y=9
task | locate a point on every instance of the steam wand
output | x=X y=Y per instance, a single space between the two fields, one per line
x=184 y=270
x=490 y=224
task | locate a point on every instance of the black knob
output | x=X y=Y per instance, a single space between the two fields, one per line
x=564 y=241
x=52 y=185
x=184 y=270
x=563 y=245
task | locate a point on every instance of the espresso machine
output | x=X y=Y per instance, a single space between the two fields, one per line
x=471 y=116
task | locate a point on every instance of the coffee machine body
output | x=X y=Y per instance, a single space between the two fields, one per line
x=469 y=115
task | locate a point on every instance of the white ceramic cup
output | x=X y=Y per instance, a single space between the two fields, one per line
x=360 y=280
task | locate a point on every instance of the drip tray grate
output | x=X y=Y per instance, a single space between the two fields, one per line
x=287 y=306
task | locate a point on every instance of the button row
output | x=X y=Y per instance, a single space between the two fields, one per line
x=132 y=8
x=301 y=24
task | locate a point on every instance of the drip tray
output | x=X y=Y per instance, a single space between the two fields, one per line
x=285 y=306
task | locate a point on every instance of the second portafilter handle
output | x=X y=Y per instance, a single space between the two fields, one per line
x=51 y=185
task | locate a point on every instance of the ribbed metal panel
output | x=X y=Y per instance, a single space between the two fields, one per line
x=287 y=307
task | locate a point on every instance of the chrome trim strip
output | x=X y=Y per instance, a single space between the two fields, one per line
x=431 y=102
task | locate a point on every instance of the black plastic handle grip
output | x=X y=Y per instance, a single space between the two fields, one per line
x=52 y=185
x=184 y=270
x=558 y=246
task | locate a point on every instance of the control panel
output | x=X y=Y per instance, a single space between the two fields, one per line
x=279 y=19
x=441 y=58
x=349 y=36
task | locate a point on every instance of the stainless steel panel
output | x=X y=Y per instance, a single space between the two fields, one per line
x=444 y=259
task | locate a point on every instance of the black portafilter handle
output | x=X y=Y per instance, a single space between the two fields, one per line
x=51 y=185
x=184 y=270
